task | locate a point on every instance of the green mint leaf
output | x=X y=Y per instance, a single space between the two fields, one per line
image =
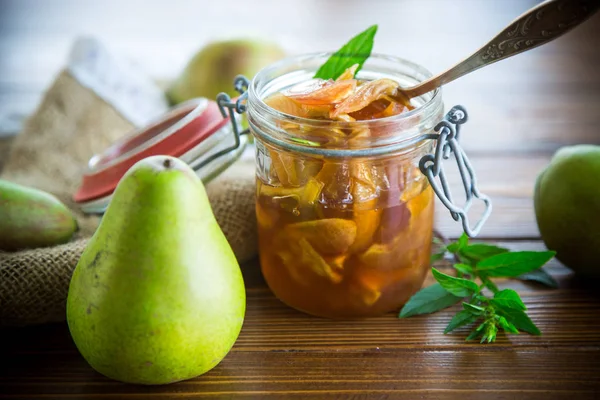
x=428 y=300
x=356 y=51
x=514 y=264
x=462 y=242
x=473 y=309
x=540 y=276
x=507 y=326
x=461 y=318
x=518 y=318
x=508 y=298
x=477 y=332
x=481 y=251
x=489 y=284
x=457 y=286
x=464 y=269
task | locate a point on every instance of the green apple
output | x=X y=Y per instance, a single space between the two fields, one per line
x=567 y=207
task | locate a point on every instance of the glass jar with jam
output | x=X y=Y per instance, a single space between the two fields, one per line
x=344 y=214
x=344 y=211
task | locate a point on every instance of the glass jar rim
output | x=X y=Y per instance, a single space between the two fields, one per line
x=258 y=101
x=299 y=66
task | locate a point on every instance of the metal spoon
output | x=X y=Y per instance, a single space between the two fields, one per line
x=541 y=24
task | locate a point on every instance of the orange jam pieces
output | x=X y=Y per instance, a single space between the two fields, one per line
x=345 y=99
x=346 y=236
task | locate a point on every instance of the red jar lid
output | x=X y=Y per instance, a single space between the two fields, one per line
x=176 y=133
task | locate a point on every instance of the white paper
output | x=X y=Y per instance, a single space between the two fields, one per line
x=117 y=81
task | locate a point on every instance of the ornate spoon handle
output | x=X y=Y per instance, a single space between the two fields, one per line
x=540 y=25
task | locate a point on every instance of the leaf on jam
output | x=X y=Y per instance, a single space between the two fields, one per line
x=355 y=51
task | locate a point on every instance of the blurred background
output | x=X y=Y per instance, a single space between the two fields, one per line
x=161 y=36
x=528 y=105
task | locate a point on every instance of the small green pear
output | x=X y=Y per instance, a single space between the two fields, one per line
x=213 y=69
x=567 y=207
x=32 y=218
x=157 y=296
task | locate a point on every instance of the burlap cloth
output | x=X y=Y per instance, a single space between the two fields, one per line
x=70 y=125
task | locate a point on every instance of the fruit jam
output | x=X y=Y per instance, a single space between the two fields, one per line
x=342 y=237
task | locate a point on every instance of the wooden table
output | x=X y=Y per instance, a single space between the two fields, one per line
x=521 y=110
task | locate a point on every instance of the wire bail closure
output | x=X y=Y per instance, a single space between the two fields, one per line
x=227 y=108
x=431 y=165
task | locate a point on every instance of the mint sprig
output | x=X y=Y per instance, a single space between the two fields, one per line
x=477 y=264
x=429 y=300
x=540 y=276
x=356 y=51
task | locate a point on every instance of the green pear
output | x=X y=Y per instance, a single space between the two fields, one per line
x=567 y=207
x=157 y=296
x=32 y=218
x=213 y=69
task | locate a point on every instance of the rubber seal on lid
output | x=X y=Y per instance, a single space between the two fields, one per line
x=180 y=130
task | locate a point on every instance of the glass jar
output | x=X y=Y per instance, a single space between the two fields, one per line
x=345 y=216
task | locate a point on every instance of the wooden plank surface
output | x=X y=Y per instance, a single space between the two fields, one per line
x=520 y=111
x=282 y=353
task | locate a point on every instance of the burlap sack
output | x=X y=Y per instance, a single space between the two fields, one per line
x=70 y=125
x=34 y=283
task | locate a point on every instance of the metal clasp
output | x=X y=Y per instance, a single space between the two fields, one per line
x=447 y=136
x=431 y=166
x=227 y=108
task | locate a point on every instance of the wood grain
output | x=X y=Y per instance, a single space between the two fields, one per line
x=282 y=353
